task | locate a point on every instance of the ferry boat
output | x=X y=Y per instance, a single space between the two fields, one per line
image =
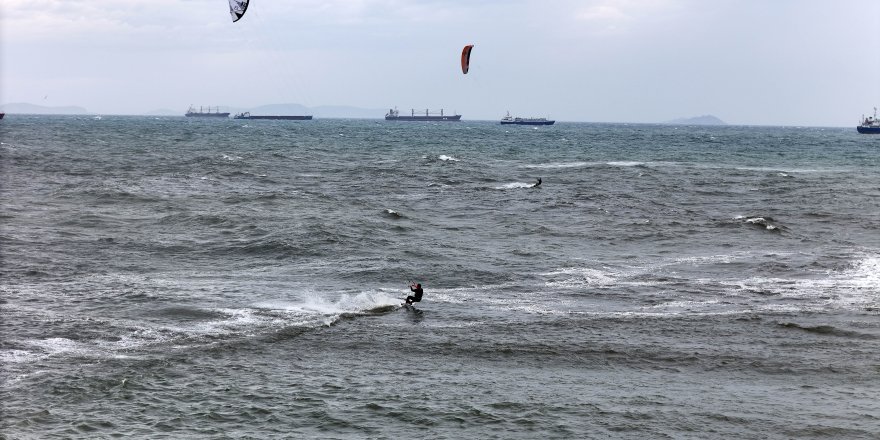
x=394 y=115
x=247 y=115
x=869 y=125
x=201 y=113
x=510 y=120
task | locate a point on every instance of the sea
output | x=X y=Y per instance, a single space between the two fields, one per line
x=171 y=277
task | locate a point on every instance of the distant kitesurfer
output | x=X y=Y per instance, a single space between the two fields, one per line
x=417 y=290
x=537 y=184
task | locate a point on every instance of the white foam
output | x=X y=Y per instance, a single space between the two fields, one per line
x=13 y=356
x=314 y=303
x=515 y=185
x=447 y=158
x=856 y=287
x=626 y=164
x=561 y=165
x=52 y=346
x=790 y=171
x=866 y=274
x=573 y=277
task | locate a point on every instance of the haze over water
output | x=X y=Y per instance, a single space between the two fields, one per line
x=177 y=278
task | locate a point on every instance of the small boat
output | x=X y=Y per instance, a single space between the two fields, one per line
x=2 y=114
x=394 y=115
x=201 y=113
x=510 y=120
x=869 y=125
x=247 y=115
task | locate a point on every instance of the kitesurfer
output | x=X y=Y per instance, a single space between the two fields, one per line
x=417 y=290
x=537 y=184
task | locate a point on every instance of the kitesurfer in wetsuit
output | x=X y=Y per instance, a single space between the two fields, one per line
x=537 y=184
x=417 y=290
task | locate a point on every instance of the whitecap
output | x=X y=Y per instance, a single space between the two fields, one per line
x=560 y=165
x=515 y=185
x=325 y=311
x=865 y=273
x=574 y=277
x=767 y=223
x=393 y=214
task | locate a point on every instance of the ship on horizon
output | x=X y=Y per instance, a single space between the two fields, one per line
x=247 y=115
x=394 y=115
x=510 y=120
x=869 y=125
x=201 y=113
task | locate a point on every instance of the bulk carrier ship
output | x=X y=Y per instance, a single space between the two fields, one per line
x=201 y=113
x=394 y=115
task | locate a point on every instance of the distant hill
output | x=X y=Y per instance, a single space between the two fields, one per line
x=33 y=109
x=698 y=120
x=322 y=111
x=164 y=112
x=343 y=111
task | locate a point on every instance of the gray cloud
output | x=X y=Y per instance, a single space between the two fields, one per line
x=748 y=62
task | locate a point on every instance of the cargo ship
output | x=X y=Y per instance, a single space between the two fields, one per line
x=869 y=125
x=247 y=115
x=394 y=115
x=201 y=113
x=508 y=120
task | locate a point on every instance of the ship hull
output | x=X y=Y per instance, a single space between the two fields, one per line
x=282 y=118
x=453 y=118
x=207 y=115
x=868 y=130
x=528 y=122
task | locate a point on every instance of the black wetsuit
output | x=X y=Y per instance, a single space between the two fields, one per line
x=415 y=298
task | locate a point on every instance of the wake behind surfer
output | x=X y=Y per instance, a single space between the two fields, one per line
x=417 y=294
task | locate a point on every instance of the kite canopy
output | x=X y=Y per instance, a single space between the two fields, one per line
x=466 y=58
x=237 y=9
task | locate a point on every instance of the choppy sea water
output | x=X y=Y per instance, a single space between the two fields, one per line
x=178 y=278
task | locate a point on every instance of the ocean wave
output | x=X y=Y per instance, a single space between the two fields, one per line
x=185 y=313
x=324 y=311
x=561 y=165
x=515 y=185
x=196 y=219
x=828 y=330
x=788 y=172
x=680 y=285
x=626 y=164
x=186 y=327
x=392 y=213
x=865 y=273
x=855 y=288
x=579 y=277
x=762 y=222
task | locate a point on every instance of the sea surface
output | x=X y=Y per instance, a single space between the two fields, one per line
x=182 y=278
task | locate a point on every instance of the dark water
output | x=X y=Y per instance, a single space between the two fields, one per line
x=174 y=278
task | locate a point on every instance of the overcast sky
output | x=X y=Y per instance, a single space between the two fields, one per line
x=765 y=62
